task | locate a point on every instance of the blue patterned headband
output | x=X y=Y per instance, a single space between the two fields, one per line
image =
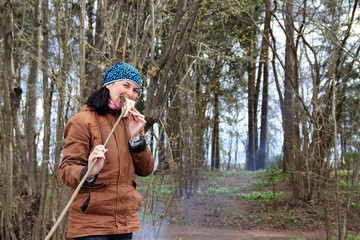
x=122 y=71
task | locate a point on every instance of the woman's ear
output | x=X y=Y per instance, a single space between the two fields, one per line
x=108 y=86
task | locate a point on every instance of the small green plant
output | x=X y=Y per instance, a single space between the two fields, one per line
x=347 y=184
x=219 y=191
x=258 y=221
x=213 y=184
x=351 y=237
x=260 y=173
x=48 y=196
x=220 y=179
x=266 y=195
x=292 y=219
x=234 y=172
x=341 y=172
x=240 y=217
x=166 y=190
x=356 y=205
x=270 y=177
x=239 y=189
x=309 y=209
x=344 y=184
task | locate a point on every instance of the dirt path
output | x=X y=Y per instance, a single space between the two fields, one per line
x=217 y=212
x=175 y=232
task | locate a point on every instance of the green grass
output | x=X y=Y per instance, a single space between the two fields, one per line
x=213 y=184
x=351 y=237
x=270 y=177
x=164 y=189
x=219 y=191
x=236 y=172
x=342 y=172
x=292 y=219
x=265 y=195
x=348 y=184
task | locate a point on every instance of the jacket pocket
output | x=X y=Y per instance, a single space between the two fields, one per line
x=134 y=183
x=132 y=199
x=85 y=204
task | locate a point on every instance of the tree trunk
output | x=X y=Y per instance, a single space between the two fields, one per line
x=236 y=150
x=104 y=12
x=82 y=45
x=6 y=181
x=38 y=229
x=229 y=153
x=293 y=163
x=31 y=97
x=215 y=142
x=289 y=91
x=200 y=105
x=119 y=45
x=168 y=65
x=264 y=105
x=215 y=145
x=63 y=23
x=188 y=137
x=16 y=98
x=96 y=54
x=10 y=229
x=252 y=126
x=29 y=196
x=163 y=165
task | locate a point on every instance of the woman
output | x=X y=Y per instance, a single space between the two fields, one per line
x=106 y=206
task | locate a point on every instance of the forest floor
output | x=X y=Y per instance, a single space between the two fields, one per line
x=242 y=205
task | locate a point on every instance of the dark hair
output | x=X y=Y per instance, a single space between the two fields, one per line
x=99 y=100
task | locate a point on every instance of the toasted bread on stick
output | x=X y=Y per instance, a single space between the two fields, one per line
x=127 y=104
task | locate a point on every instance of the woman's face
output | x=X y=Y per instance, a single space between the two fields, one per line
x=125 y=88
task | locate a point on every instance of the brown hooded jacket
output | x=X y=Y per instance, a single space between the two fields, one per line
x=110 y=204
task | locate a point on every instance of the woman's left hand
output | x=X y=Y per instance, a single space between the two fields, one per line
x=136 y=124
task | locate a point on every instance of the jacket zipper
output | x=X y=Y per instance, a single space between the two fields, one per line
x=118 y=206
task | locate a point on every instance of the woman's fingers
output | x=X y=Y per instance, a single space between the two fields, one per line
x=136 y=114
x=98 y=152
x=99 y=155
x=136 y=123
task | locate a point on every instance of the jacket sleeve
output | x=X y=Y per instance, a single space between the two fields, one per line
x=75 y=151
x=142 y=158
x=143 y=162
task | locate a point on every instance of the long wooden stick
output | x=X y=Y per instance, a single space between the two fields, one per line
x=62 y=215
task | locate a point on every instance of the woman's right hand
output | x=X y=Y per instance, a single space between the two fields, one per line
x=99 y=153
